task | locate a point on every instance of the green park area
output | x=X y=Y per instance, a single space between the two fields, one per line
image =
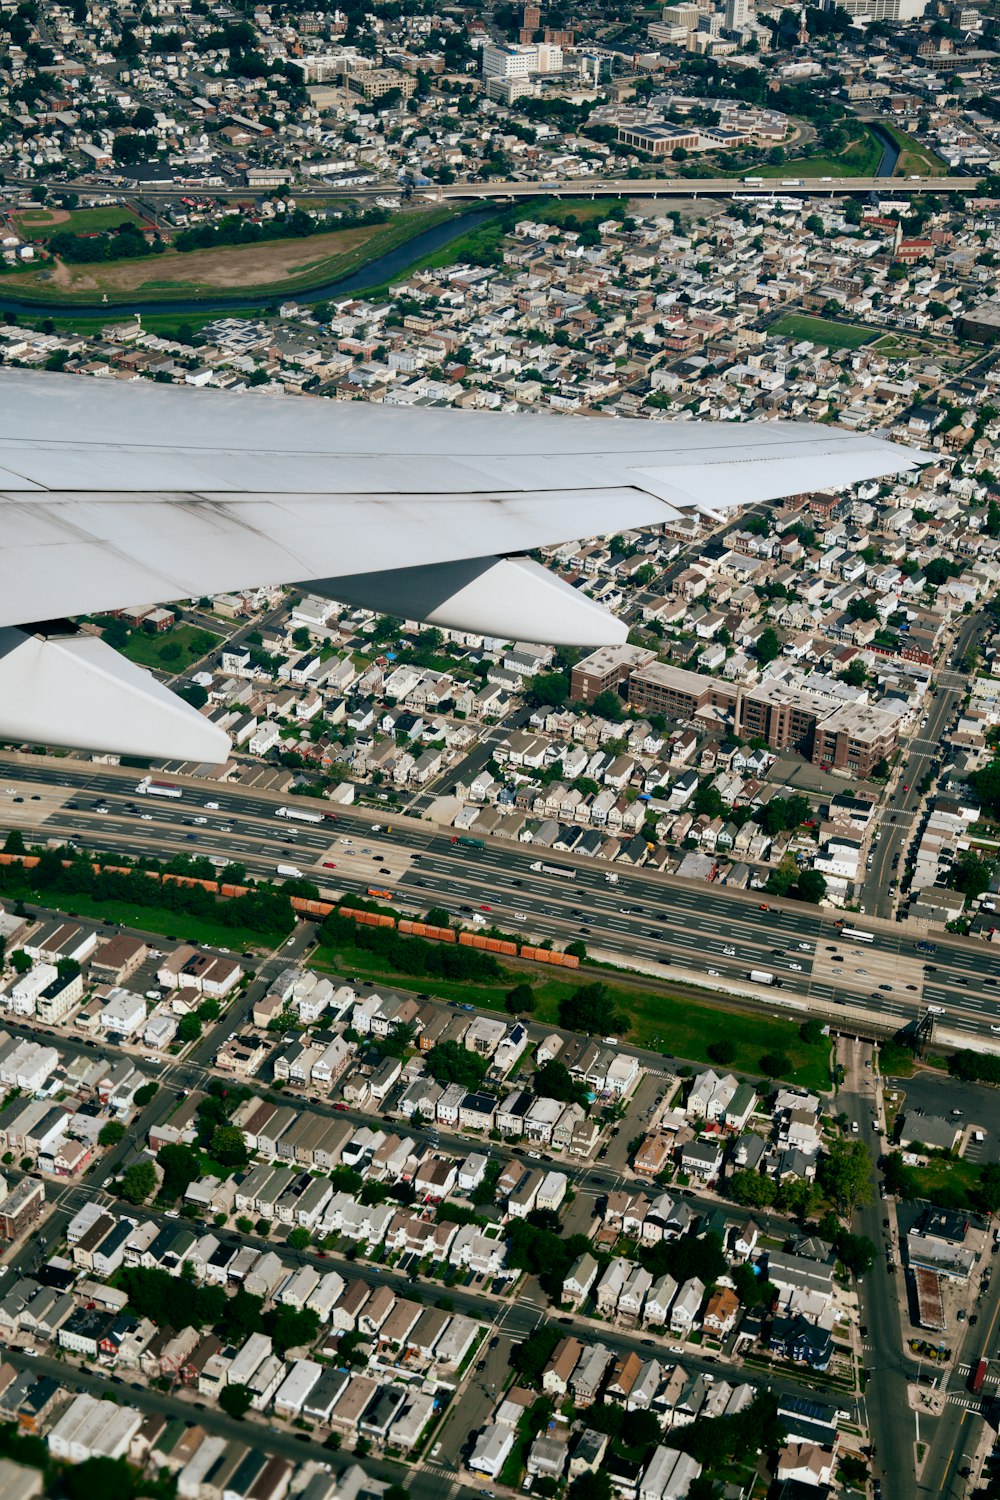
x=262 y=269
x=915 y=160
x=685 y=1026
x=859 y=158
x=42 y=223
x=823 y=331
x=172 y=651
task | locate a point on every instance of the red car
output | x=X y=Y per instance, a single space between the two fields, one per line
x=328 y=864
x=486 y=908
x=763 y=906
x=339 y=1104
x=906 y=786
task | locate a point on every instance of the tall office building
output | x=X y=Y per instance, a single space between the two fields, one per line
x=739 y=13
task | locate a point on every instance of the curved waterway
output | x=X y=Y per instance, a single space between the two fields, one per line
x=373 y=273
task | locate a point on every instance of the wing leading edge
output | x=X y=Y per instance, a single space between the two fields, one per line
x=116 y=494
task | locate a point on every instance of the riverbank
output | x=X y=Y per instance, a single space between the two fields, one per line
x=244 y=276
x=474 y=236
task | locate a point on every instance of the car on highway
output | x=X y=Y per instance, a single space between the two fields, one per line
x=729 y=952
x=885 y=986
x=796 y=967
x=763 y=906
x=714 y=973
x=328 y=864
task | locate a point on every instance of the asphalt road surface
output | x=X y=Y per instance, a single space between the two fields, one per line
x=710 y=932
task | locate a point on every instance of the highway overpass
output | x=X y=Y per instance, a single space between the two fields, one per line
x=695 y=187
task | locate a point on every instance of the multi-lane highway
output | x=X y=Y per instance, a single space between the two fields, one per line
x=693 y=187
x=716 y=935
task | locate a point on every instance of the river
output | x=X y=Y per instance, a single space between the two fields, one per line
x=384 y=268
x=890 y=151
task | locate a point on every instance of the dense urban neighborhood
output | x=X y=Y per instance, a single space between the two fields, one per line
x=521 y=1070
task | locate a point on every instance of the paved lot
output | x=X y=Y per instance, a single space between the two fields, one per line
x=937 y=1094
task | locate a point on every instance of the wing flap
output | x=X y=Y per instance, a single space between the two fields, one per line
x=75 y=555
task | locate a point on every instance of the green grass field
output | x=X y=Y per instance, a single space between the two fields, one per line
x=859 y=159
x=228 y=263
x=38 y=222
x=678 y=1027
x=823 y=331
x=160 y=651
x=915 y=160
x=161 y=920
x=950 y=1184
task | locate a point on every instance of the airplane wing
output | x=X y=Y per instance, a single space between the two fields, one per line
x=114 y=494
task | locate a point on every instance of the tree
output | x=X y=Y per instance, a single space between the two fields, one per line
x=971 y=875
x=110 y=1133
x=189 y=1028
x=14 y=842
x=988 y=1191
x=845 y=1173
x=530 y=1357
x=775 y=1065
x=811 y=886
x=146 y=1093
x=180 y=1165
x=549 y=689
x=722 y=1052
x=20 y=961
x=298 y=1238
x=450 y=1062
x=608 y=705
x=855 y=674
x=751 y=1189
x=591 y=1009
x=194 y=694
x=235 y=1401
x=707 y=801
x=811 y=1032
x=594 y=1485
x=520 y=1001
x=768 y=645
x=291 y=1328
x=229 y=1146
x=553 y=1080
x=111 y=1478
x=139 y=1181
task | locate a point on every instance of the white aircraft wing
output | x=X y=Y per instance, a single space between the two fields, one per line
x=114 y=494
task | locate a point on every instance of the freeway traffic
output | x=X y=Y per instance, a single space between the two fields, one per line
x=713 y=935
x=694 y=187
